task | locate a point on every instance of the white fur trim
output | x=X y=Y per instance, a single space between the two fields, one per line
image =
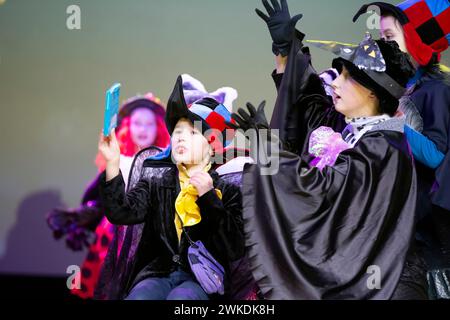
x=234 y=165
x=197 y=84
x=230 y=95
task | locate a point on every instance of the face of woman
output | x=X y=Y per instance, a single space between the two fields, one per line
x=352 y=99
x=189 y=146
x=391 y=30
x=143 y=127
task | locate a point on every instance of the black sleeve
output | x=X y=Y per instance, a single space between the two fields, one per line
x=224 y=220
x=301 y=100
x=124 y=208
x=277 y=77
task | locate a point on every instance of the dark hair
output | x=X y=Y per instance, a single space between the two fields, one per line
x=398 y=64
x=434 y=72
x=398 y=67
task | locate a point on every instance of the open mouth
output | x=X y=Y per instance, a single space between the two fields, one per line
x=142 y=137
x=336 y=97
x=180 y=150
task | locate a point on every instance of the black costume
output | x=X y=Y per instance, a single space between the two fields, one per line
x=153 y=243
x=313 y=234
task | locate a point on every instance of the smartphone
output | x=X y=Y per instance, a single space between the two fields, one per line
x=111 y=109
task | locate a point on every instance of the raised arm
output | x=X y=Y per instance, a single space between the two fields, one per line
x=120 y=207
x=294 y=77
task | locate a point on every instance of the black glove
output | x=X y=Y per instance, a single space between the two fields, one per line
x=77 y=224
x=253 y=119
x=79 y=238
x=266 y=145
x=281 y=25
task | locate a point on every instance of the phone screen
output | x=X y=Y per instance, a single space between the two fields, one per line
x=111 y=109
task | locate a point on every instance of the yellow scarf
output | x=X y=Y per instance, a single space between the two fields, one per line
x=187 y=210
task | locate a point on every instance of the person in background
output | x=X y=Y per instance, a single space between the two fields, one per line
x=140 y=127
x=422 y=30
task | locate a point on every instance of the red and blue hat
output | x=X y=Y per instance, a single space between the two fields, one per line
x=425 y=23
x=208 y=111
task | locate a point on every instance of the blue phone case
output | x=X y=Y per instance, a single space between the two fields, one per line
x=111 y=109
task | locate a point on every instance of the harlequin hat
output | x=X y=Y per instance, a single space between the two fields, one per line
x=207 y=111
x=194 y=90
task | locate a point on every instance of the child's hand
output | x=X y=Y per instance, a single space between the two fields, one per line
x=109 y=148
x=202 y=181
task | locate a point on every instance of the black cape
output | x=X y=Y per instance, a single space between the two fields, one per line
x=315 y=234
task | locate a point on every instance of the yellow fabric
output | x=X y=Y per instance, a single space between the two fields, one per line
x=444 y=68
x=186 y=208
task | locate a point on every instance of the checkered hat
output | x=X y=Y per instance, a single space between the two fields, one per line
x=211 y=114
x=426 y=25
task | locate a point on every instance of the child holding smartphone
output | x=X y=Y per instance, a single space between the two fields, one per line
x=177 y=193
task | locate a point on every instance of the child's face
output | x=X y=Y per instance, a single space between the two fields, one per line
x=143 y=127
x=189 y=146
x=350 y=98
x=391 y=30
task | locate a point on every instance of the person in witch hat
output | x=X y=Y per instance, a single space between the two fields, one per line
x=175 y=200
x=422 y=29
x=342 y=203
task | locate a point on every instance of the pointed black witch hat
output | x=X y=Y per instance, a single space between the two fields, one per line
x=368 y=58
x=207 y=111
